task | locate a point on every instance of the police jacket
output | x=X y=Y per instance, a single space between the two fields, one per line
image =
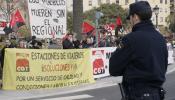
x=143 y=57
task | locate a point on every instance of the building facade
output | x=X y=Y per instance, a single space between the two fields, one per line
x=172 y=6
x=164 y=9
x=89 y=4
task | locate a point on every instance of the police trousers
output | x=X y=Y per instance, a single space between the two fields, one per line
x=143 y=93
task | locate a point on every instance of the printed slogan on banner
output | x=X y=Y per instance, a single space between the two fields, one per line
x=41 y=69
x=47 y=18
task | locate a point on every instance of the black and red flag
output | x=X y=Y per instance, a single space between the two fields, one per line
x=86 y=27
x=17 y=20
x=119 y=27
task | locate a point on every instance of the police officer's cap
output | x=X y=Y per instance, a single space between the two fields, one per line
x=142 y=9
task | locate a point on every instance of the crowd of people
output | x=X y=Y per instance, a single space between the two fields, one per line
x=88 y=41
x=69 y=41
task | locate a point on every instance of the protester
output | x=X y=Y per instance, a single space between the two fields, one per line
x=68 y=42
x=143 y=57
x=32 y=42
x=38 y=45
x=8 y=44
x=76 y=44
x=112 y=41
x=53 y=45
x=22 y=43
x=88 y=43
x=59 y=43
x=105 y=40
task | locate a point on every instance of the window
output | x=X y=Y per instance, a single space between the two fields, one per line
x=108 y=1
x=165 y=19
x=117 y=1
x=140 y=0
x=90 y=2
x=166 y=10
x=160 y=10
x=165 y=1
x=161 y=19
x=99 y=2
x=126 y=2
x=161 y=1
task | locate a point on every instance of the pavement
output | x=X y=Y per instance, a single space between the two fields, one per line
x=100 y=83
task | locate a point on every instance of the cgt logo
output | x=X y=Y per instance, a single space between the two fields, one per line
x=98 y=63
x=22 y=63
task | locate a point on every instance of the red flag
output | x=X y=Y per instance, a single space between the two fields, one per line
x=86 y=27
x=12 y=21
x=3 y=24
x=112 y=26
x=18 y=17
x=119 y=21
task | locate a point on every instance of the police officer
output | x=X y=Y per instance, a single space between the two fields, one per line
x=142 y=58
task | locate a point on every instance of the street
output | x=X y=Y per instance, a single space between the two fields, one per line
x=103 y=89
x=72 y=49
x=111 y=92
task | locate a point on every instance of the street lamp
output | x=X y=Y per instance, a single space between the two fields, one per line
x=98 y=15
x=156 y=11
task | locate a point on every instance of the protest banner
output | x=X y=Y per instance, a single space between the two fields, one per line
x=100 y=60
x=26 y=69
x=47 y=18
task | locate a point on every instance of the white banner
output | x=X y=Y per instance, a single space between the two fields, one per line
x=100 y=61
x=47 y=18
x=1 y=30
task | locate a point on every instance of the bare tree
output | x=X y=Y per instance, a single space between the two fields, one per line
x=77 y=18
x=8 y=7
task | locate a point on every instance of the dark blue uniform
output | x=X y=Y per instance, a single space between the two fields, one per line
x=142 y=61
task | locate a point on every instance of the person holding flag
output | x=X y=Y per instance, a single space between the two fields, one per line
x=15 y=22
x=119 y=26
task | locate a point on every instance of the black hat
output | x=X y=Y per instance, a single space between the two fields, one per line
x=141 y=8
